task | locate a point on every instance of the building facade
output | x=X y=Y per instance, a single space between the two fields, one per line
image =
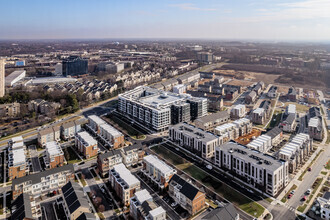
x=86 y=144
x=54 y=155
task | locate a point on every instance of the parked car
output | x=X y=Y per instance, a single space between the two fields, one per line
x=304 y=198
x=292 y=192
x=308 y=191
x=309 y=169
x=289 y=196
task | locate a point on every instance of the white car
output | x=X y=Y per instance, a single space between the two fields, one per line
x=174 y=204
x=209 y=167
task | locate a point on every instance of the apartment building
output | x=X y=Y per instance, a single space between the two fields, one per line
x=74 y=201
x=94 y=123
x=296 y=151
x=259 y=87
x=54 y=156
x=10 y=110
x=186 y=195
x=244 y=126
x=238 y=111
x=262 y=143
x=152 y=107
x=194 y=139
x=123 y=182
x=251 y=97
x=132 y=154
x=25 y=208
x=106 y=161
x=289 y=123
x=142 y=206
x=209 y=122
x=48 y=134
x=276 y=135
x=86 y=144
x=259 y=170
x=315 y=128
x=258 y=116
x=70 y=128
x=43 y=182
x=233 y=130
x=17 y=158
x=272 y=92
x=157 y=171
x=111 y=136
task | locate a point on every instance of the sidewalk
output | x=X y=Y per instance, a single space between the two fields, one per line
x=295 y=179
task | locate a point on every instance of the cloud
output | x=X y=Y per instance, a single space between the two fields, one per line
x=191 y=7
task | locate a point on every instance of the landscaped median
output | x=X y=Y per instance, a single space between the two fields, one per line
x=285 y=198
x=246 y=204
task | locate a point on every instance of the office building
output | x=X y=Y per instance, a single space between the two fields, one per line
x=14 y=77
x=205 y=57
x=152 y=107
x=142 y=206
x=186 y=195
x=43 y=182
x=75 y=202
x=195 y=140
x=238 y=111
x=254 y=168
x=74 y=66
x=2 y=78
x=124 y=183
x=209 y=122
x=54 y=155
x=86 y=144
x=157 y=171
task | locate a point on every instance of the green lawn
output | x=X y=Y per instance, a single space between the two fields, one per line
x=224 y=190
x=70 y=155
x=132 y=132
x=302 y=208
x=275 y=119
x=327 y=166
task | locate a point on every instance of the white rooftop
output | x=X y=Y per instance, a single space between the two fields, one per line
x=17 y=145
x=313 y=122
x=241 y=121
x=291 y=108
x=143 y=195
x=126 y=175
x=259 y=111
x=157 y=211
x=87 y=138
x=96 y=119
x=239 y=106
x=225 y=127
x=14 y=75
x=53 y=148
x=158 y=164
x=17 y=139
x=113 y=131
x=18 y=157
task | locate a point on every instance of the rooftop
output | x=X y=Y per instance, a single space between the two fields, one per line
x=87 y=138
x=184 y=187
x=53 y=148
x=96 y=119
x=14 y=75
x=213 y=117
x=158 y=164
x=126 y=175
x=113 y=131
x=143 y=195
x=195 y=132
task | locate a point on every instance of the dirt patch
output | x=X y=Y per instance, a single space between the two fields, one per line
x=244 y=140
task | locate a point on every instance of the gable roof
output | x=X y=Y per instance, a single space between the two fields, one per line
x=228 y=212
x=187 y=189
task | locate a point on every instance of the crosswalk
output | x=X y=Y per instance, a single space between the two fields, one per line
x=290 y=207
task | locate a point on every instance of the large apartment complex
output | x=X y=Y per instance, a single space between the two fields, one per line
x=153 y=107
x=253 y=167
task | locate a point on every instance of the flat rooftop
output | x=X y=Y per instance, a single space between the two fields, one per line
x=14 y=75
x=193 y=131
x=113 y=131
x=53 y=148
x=96 y=119
x=52 y=80
x=253 y=156
x=87 y=138
x=159 y=164
x=126 y=175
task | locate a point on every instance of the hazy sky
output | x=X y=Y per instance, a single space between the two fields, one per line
x=220 y=19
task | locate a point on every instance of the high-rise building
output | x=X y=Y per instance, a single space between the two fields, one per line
x=2 y=78
x=74 y=66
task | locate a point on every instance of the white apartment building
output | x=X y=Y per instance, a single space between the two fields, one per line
x=152 y=107
x=94 y=123
x=194 y=139
x=111 y=136
x=255 y=168
x=142 y=206
x=233 y=130
x=157 y=170
x=43 y=182
x=262 y=143
x=123 y=182
x=179 y=89
x=238 y=111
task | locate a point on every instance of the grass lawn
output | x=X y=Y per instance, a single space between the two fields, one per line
x=275 y=119
x=70 y=155
x=327 y=166
x=132 y=132
x=299 y=108
x=285 y=198
x=225 y=191
x=101 y=216
x=324 y=173
x=83 y=181
x=302 y=208
x=269 y=200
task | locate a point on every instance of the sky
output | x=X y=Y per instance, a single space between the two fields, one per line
x=278 y=20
